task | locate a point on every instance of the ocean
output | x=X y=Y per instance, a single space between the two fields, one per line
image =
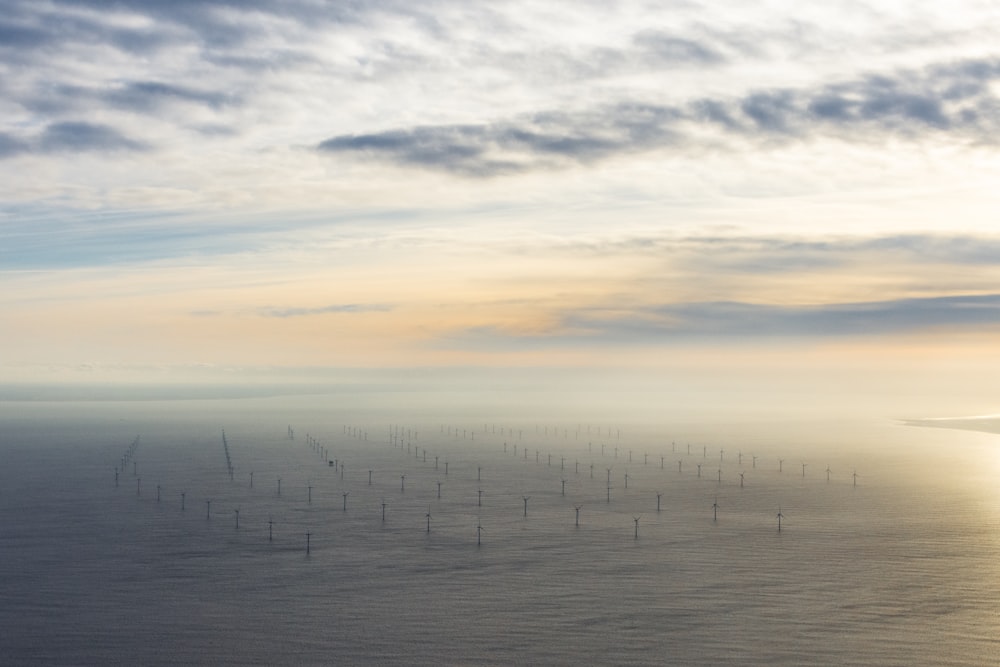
x=488 y=539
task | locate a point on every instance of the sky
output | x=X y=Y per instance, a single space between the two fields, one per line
x=725 y=195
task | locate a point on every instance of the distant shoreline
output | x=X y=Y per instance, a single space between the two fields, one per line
x=986 y=424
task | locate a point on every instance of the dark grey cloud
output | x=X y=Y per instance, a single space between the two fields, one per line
x=737 y=320
x=271 y=311
x=11 y=146
x=716 y=112
x=214 y=25
x=464 y=147
x=221 y=30
x=70 y=137
x=954 y=98
x=887 y=101
x=223 y=41
x=32 y=30
x=145 y=96
x=545 y=139
x=141 y=97
x=17 y=36
x=75 y=137
x=771 y=111
x=726 y=321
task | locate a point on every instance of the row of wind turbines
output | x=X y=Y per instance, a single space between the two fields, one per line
x=407 y=439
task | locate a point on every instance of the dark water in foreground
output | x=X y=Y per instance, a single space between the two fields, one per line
x=902 y=569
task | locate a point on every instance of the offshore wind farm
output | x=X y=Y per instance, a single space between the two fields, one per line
x=500 y=560
x=485 y=333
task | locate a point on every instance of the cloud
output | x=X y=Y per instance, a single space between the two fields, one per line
x=666 y=48
x=220 y=24
x=70 y=137
x=271 y=311
x=741 y=322
x=543 y=139
x=39 y=30
x=953 y=98
x=15 y=36
x=458 y=148
x=75 y=137
x=142 y=97
x=11 y=146
x=765 y=254
x=148 y=95
x=772 y=111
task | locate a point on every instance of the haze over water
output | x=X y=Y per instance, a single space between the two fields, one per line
x=751 y=229
x=898 y=570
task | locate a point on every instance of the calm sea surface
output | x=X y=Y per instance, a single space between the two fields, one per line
x=898 y=566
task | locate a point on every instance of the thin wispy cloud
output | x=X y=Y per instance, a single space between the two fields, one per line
x=777 y=254
x=338 y=308
x=740 y=323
